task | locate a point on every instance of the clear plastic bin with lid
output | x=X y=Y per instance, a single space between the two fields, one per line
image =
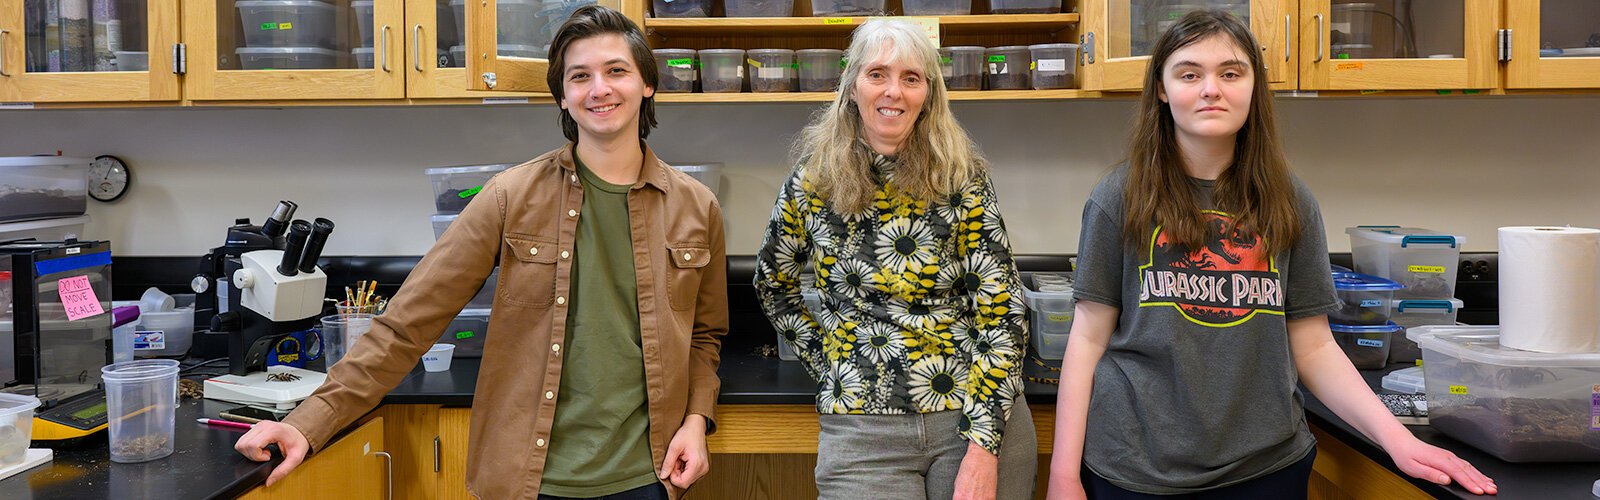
x=1050 y=308
x=1423 y=260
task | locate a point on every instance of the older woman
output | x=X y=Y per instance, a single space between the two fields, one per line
x=917 y=347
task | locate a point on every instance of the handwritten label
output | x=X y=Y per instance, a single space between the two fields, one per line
x=1059 y=318
x=929 y=25
x=464 y=335
x=1369 y=342
x=1458 y=389
x=285 y=26
x=1053 y=65
x=269 y=26
x=1350 y=66
x=469 y=192
x=78 y=298
x=837 y=20
x=1371 y=303
x=1426 y=269
x=685 y=63
x=994 y=59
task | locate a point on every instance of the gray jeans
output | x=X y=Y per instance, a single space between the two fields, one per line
x=862 y=457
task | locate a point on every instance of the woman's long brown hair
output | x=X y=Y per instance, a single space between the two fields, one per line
x=1256 y=189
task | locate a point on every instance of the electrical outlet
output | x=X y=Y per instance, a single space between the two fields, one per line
x=1479 y=267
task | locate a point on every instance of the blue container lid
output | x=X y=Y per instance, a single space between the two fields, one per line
x=1388 y=327
x=1340 y=269
x=1363 y=282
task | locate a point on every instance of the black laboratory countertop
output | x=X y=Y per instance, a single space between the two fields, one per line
x=204 y=464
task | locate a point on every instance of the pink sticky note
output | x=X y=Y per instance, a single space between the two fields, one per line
x=78 y=297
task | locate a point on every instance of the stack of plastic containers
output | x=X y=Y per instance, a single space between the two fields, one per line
x=453 y=189
x=1520 y=406
x=1423 y=262
x=363 y=54
x=1361 y=326
x=1050 y=305
x=758 y=8
x=524 y=28
x=681 y=8
x=288 y=34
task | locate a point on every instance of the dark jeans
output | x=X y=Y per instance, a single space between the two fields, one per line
x=651 y=492
x=1287 y=483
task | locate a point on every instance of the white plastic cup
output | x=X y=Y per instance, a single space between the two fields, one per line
x=339 y=334
x=141 y=407
x=438 y=358
x=155 y=300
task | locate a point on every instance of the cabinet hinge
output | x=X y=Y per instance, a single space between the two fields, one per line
x=1087 y=40
x=1505 y=45
x=180 y=59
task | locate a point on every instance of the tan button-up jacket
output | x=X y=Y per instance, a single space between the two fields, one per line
x=525 y=220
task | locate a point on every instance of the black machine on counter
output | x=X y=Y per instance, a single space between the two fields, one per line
x=55 y=331
x=267 y=293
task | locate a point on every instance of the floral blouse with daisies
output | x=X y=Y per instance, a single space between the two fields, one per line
x=921 y=303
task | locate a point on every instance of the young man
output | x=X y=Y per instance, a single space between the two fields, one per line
x=600 y=379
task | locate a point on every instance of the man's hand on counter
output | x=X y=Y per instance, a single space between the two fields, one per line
x=687 y=458
x=1431 y=463
x=253 y=445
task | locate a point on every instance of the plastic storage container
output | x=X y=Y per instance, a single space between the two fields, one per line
x=963 y=67
x=1519 y=406
x=1351 y=51
x=1008 y=67
x=1055 y=65
x=1050 y=308
x=16 y=427
x=681 y=8
x=467 y=332
x=442 y=222
x=44 y=230
x=363 y=10
x=677 y=70
x=287 y=58
x=1365 y=299
x=1405 y=381
x=937 y=7
x=830 y=8
x=132 y=61
x=288 y=23
x=1423 y=260
x=771 y=70
x=820 y=69
x=721 y=70
x=454 y=187
x=1351 y=23
x=364 y=57
x=1024 y=6
x=758 y=8
x=709 y=174
x=517 y=22
x=458 y=54
x=164 y=333
x=1412 y=313
x=1367 y=346
x=40 y=187
x=141 y=406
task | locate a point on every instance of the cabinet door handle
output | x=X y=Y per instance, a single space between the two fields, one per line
x=1318 y=17
x=383 y=52
x=416 y=51
x=3 y=54
x=1287 y=46
x=436 y=455
x=388 y=467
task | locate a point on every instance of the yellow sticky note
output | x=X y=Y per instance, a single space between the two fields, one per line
x=837 y=20
x=930 y=25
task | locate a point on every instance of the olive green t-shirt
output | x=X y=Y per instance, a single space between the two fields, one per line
x=600 y=441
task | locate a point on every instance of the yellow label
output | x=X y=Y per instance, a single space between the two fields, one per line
x=1033 y=65
x=1426 y=269
x=1419 y=362
x=1058 y=317
x=285 y=26
x=753 y=63
x=1458 y=389
x=1349 y=66
x=1370 y=92
x=837 y=20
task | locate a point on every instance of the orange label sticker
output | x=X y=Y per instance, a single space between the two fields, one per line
x=1349 y=66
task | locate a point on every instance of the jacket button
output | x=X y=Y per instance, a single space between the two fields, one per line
x=561 y=300
x=564 y=254
x=572 y=213
x=539 y=442
x=549 y=394
x=574 y=178
x=533 y=251
x=687 y=256
x=555 y=347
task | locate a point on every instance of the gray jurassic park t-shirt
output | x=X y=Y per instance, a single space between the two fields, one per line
x=1197 y=387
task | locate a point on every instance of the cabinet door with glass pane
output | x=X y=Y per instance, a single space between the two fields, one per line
x=1555 y=44
x=264 y=50
x=520 y=32
x=1120 y=35
x=62 y=51
x=1399 y=44
x=436 y=50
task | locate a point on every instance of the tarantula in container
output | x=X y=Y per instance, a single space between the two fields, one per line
x=282 y=377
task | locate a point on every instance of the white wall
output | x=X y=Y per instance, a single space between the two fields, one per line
x=1461 y=165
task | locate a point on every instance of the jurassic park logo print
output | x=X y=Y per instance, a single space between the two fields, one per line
x=1224 y=283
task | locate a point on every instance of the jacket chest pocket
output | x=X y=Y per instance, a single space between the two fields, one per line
x=528 y=278
x=683 y=281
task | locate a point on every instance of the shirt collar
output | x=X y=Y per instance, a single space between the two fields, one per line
x=652 y=172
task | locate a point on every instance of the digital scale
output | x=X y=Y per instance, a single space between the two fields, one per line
x=76 y=418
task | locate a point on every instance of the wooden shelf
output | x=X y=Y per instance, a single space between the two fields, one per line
x=956 y=95
x=791 y=26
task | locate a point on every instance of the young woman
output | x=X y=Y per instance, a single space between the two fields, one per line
x=917 y=350
x=1202 y=292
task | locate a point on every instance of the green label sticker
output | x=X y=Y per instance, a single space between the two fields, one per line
x=945 y=60
x=1469 y=91
x=467 y=193
x=1342 y=56
x=843 y=62
x=269 y=26
x=794 y=65
x=465 y=335
x=997 y=58
x=1443 y=92
x=686 y=63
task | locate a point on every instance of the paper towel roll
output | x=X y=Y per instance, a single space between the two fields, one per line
x=1550 y=289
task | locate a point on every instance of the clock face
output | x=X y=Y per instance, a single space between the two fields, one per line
x=108 y=178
